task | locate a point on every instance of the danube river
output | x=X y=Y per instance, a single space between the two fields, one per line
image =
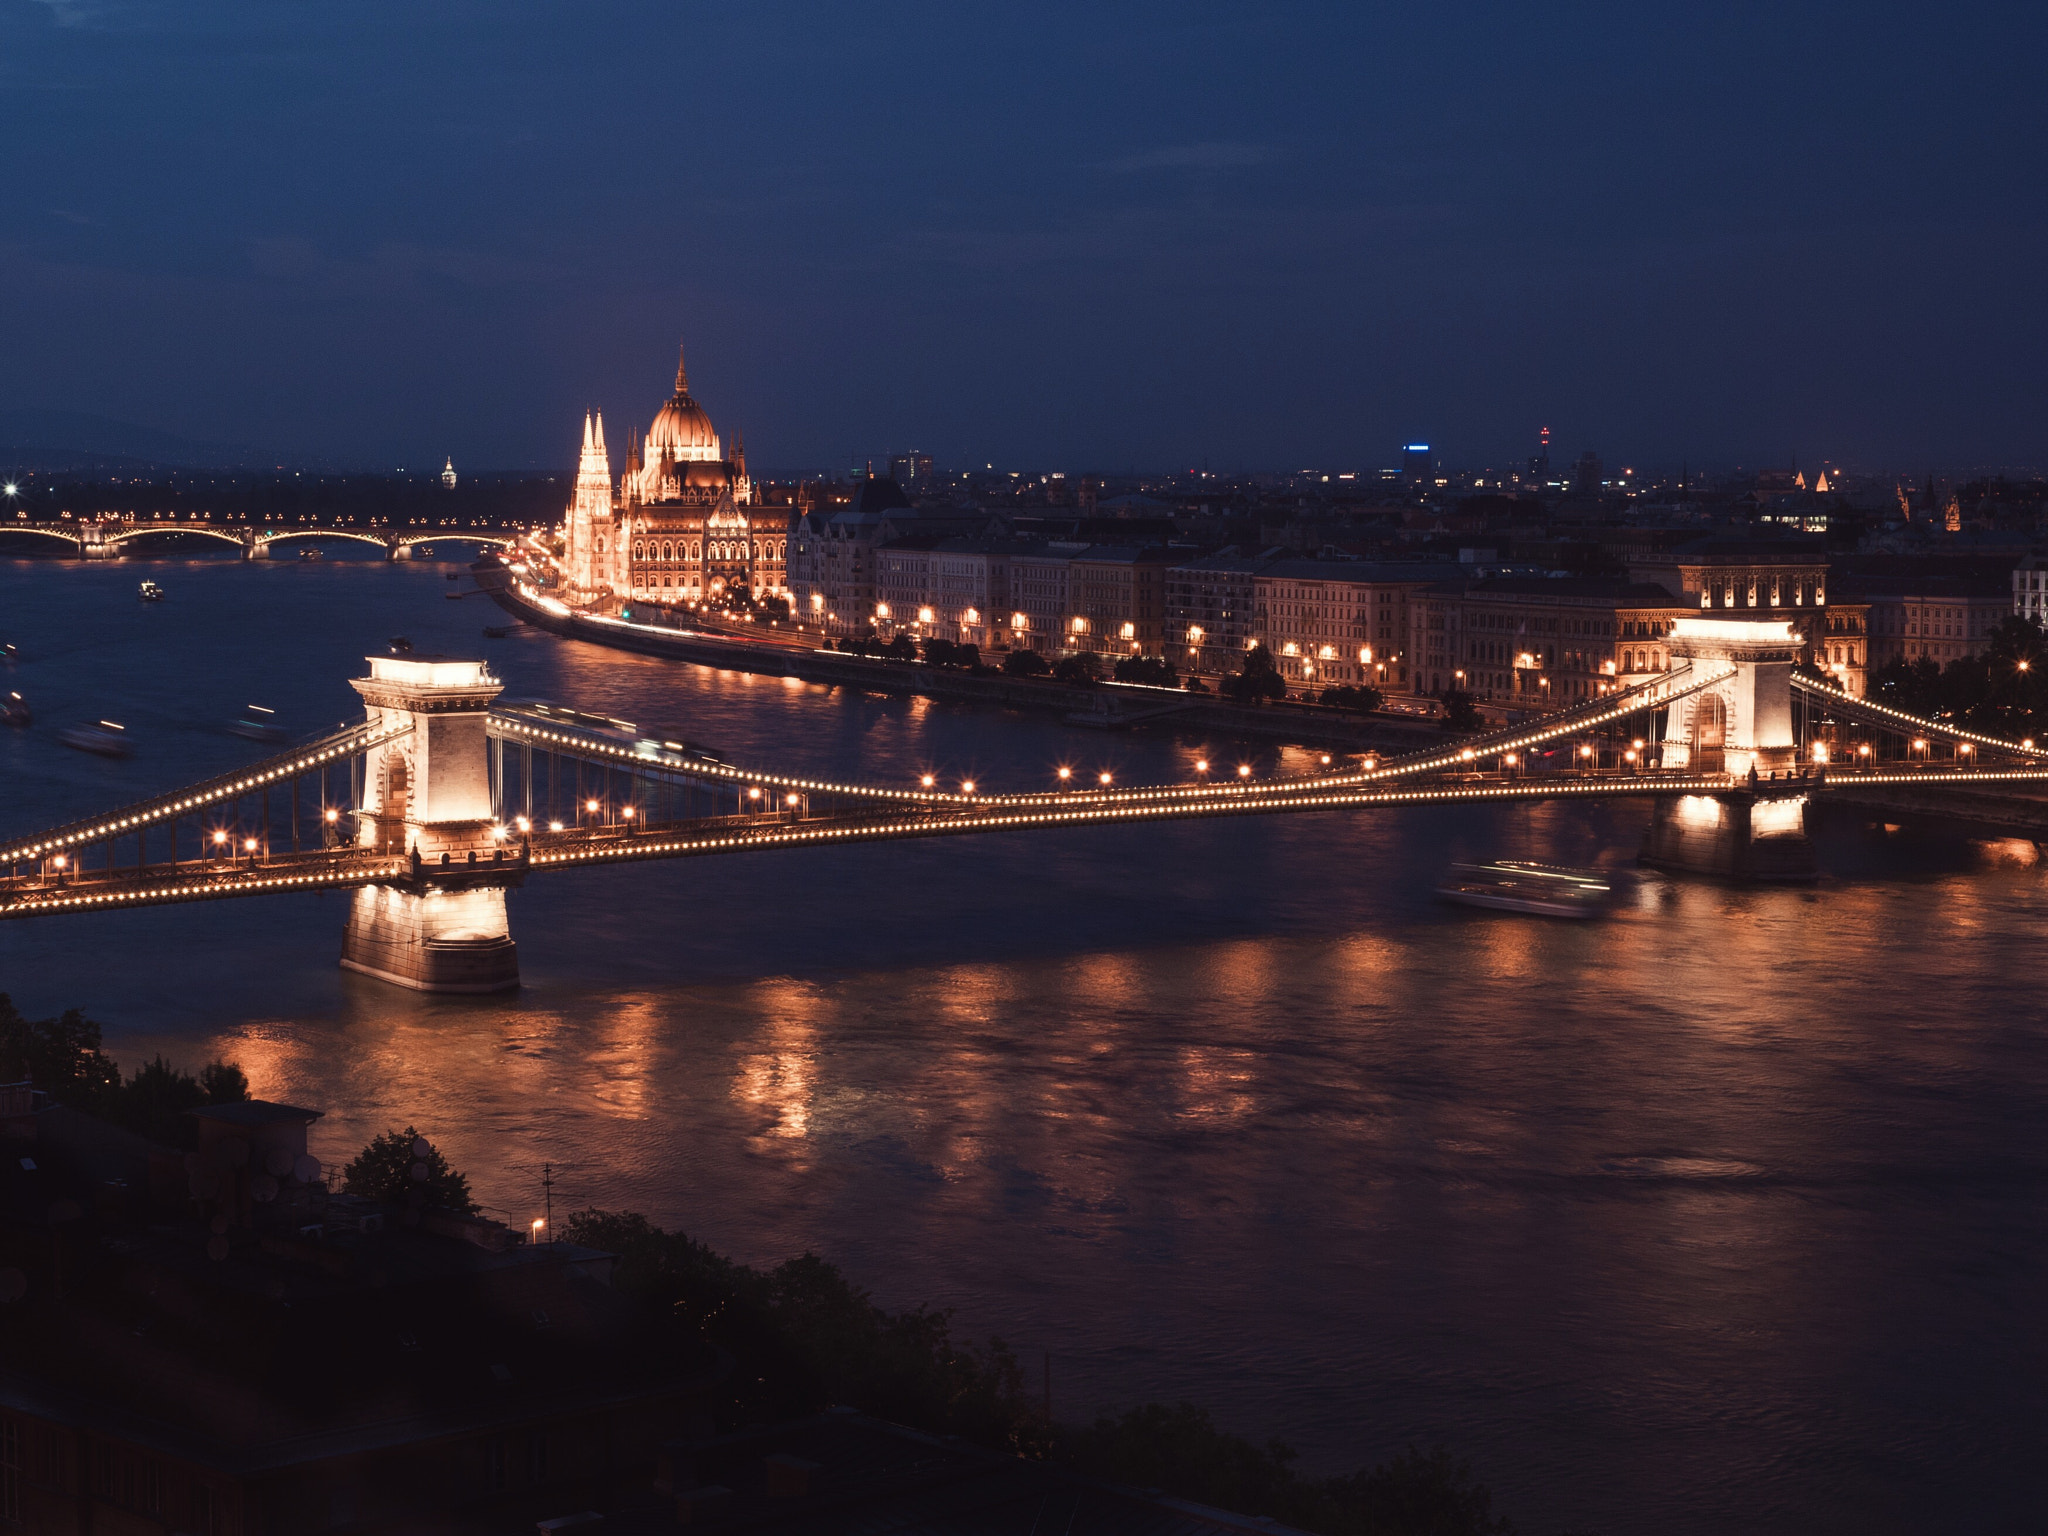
x=1724 y=1216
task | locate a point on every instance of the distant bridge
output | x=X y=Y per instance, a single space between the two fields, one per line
x=106 y=538
x=442 y=799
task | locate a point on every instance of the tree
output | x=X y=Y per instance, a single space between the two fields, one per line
x=157 y=1101
x=1460 y=713
x=941 y=653
x=397 y=1165
x=902 y=648
x=1260 y=679
x=1350 y=696
x=1026 y=664
x=62 y=1056
x=1156 y=671
x=1081 y=669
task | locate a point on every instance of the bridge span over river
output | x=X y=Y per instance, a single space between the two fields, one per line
x=107 y=538
x=443 y=798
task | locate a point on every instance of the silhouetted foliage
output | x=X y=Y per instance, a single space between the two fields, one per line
x=157 y=1100
x=1155 y=670
x=1026 y=664
x=404 y=1166
x=1196 y=685
x=902 y=648
x=1260 y=679
x=803 y=1337
x=1082 y=668
x=61 y=1055
x=1351 y=696
x=2002 y=692
x=945 y=653
x=1460 y=712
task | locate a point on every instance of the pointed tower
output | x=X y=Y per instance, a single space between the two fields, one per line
x=591 y=534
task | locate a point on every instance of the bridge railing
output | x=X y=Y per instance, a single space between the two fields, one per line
x=1590 y=715
x=1883 y=715
x=283 y=768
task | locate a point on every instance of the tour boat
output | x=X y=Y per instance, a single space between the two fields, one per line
x=103 y=738
x=14 y=710
x=259 y=724
x=1515 y=885
x=314 y=553
x=150 y=592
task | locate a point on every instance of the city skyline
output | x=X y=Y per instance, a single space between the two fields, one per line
x=1135 y=240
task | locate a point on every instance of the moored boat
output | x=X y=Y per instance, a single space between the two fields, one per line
x=103 y=738
x=1516 y=885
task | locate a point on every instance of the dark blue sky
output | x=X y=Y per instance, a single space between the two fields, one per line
x=1090 y=236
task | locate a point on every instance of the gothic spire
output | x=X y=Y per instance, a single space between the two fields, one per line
x=682 y=372
x=600 y=431
x=586 y=432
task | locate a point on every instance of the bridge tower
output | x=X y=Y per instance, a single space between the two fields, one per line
x=1740 y=725
x=427 y=795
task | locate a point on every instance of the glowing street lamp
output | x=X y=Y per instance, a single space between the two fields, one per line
x=967 y=786
x=927 y=780
x=1066 y=774
x=1201 y=765
x=1244 y=770
x=1102 y=779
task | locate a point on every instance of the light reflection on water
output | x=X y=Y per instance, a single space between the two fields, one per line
x=1723 y=1215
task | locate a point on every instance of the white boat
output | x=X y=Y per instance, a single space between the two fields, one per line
x=1541 y=890
x=259 y=724
x=150 y=592
x=103 y=738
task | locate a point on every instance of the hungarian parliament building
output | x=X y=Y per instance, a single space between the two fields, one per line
x=680 y=525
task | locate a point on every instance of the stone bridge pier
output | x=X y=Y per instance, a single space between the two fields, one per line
x=427 y=796
x=1740 y=725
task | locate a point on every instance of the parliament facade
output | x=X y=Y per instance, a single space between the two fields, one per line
x=680 y=526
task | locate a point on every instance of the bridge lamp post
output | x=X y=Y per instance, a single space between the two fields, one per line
x=1244 y=770
x=967 y=786
x=220 y=838
x=554 y=826
x=927 y=780
x=1066 y=775
x=1102 y=779
x=1201 y=765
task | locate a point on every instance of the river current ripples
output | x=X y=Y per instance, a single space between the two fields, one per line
x=1725 y=1215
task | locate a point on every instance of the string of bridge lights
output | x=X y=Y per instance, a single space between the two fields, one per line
x=1887 y=713
x=182 y=802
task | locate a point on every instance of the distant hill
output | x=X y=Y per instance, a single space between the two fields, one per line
x=73 y=440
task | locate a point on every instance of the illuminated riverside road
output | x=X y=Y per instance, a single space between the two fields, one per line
x=1725 y=1215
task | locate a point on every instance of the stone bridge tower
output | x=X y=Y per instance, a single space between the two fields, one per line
x=1740 y=725
x=427 y=798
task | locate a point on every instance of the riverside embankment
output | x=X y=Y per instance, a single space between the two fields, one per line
x=1108 y=706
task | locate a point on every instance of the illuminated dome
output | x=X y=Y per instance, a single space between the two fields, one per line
x=682 y=433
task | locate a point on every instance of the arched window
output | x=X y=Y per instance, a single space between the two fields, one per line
x=668 y=551
x=636 y=550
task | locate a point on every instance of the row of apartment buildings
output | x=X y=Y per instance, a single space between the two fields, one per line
x=1404 y=627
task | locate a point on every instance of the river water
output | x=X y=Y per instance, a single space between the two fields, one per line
x=1726 y=1215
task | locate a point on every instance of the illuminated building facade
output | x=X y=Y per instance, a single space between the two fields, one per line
x=682 y=526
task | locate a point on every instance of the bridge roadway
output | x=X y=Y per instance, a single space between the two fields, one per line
x=103 y=538
x=902 y=816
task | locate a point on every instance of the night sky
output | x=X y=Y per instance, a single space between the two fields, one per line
x=1096 y=236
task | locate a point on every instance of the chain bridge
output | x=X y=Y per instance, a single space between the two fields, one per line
x=443 y=798
x=105 y=538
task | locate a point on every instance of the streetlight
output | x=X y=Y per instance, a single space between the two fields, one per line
x=1065 y=774
x=927 y=780
x=967 y=786
x=1102 y=779
x=1244 y=770
x=590 y=806
x=1201 y=765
